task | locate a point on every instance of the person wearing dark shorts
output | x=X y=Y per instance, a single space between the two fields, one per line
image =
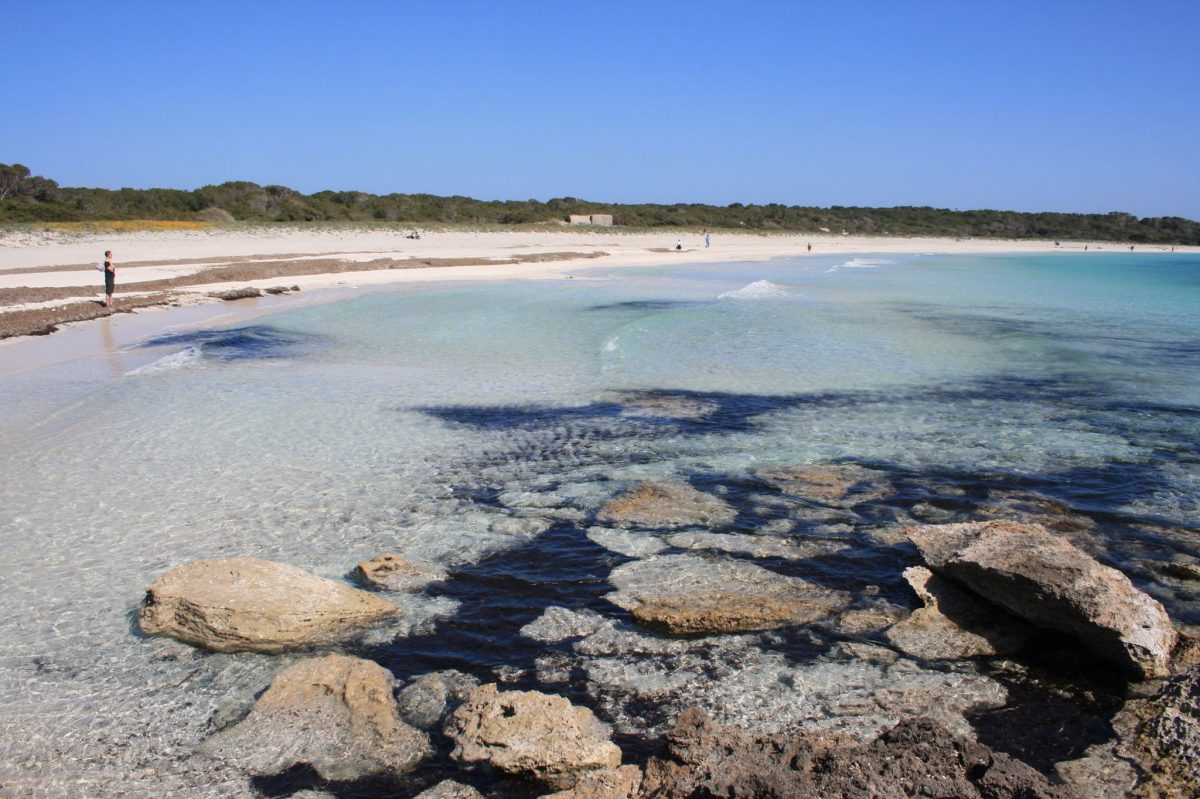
x=110 y=278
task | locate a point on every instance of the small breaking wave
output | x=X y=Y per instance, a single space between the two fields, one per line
x=862 y=263
x=759 y=289
x=169 y=363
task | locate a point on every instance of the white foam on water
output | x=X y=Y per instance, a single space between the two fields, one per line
x=759 y=289
x=169 y=363
x=862 y=263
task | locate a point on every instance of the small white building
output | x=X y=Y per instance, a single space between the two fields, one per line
x=605 y=220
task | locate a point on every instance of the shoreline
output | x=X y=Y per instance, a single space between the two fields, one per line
x=51 y=284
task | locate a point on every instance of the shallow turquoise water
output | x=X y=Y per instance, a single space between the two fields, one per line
x=418 y=421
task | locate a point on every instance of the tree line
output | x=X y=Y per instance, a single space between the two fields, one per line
x=28 y=198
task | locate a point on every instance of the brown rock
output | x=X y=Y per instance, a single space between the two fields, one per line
x=1156 y=754
x=1053 y=585
x=666 y=505
x=335 y=714
x=839 y=485
x=255 y=605
x=1186 y=654
x=691 y=594
x=1162 y=736
x=396 y=573
x=449 y=789
x=236 y=294
x=914 y=758
x=618 y=783
x=954 y=624
x=725 y=613
x=531 y=734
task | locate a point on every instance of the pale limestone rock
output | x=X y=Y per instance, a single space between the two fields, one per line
x=255 y=605
x=954 y=624
x=531 y=734
x=689 y=594
x=666 y=505
x=393 y=572
x=335 y=713
x=1054 y=585
x=839 y=485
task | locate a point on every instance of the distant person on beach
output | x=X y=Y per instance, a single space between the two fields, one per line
x=110 y=278
x=810 y=246
x=679 y=244
x=707 y=240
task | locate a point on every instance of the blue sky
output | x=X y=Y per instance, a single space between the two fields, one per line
x=1070 y=106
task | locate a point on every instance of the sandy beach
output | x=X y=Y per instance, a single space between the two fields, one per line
x=49 y=280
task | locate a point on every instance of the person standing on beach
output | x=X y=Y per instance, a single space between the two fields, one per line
x=707 y=240
x=110 y=278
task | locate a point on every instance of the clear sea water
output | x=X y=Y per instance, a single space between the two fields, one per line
x=425 y=421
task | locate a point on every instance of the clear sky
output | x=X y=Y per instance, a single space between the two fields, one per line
x=1069 y=106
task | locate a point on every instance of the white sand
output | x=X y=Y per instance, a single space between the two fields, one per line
x=624 y=249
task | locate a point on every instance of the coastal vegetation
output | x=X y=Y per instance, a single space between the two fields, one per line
x=27 y=198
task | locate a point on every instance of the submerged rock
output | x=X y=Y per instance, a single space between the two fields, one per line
x=666 y=406
x=666 y=505
x=954 y=623
x=1052 y=584
x=255 y=605
x=559 y=623
x=335 y=714
x=641 y=680
x=525 y=526
x=915 y=758
x=393 y=572
x=688 y=594
x=428 y=699
x=723 y=612
x=1030 y=508
x=627 y=542
x=839 y=485
x=758 y=546
x=531 y=734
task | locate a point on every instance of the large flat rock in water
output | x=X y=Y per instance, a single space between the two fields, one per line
x=336 y=714
x=255 y=605
x=1054 y=585
x=691 y=594
x=666 y=505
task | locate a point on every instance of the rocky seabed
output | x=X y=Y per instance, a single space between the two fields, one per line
x=711 y=671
